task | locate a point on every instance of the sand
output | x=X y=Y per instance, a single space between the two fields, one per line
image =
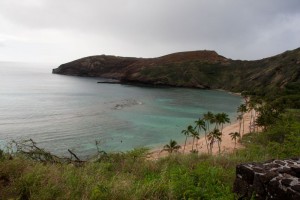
x=227 y=144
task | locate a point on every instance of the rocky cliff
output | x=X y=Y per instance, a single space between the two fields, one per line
x=200 y=69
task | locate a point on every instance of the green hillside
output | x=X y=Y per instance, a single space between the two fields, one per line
x=200 y=69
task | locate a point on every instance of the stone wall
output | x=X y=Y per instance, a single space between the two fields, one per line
x=275 y=179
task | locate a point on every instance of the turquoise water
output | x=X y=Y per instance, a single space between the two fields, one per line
x=63 y=112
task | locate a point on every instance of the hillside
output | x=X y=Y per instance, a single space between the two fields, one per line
x=199 y=69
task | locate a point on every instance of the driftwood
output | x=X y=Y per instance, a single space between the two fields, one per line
x=29 y=149
x=75 y=156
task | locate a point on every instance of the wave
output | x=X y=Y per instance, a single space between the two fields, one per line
x=126 y=103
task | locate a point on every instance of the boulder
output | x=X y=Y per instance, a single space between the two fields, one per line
x=274 y=179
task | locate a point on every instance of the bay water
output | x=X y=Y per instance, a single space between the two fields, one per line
x=66 y=112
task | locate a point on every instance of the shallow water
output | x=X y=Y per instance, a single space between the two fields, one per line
x=64 y=112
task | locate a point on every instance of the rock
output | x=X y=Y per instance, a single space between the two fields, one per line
x=296 y=188
x=275 y=179
x=296 y=169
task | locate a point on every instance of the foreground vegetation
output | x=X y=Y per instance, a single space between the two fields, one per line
x=131 y=175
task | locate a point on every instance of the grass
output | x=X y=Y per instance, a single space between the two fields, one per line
x=131 y=176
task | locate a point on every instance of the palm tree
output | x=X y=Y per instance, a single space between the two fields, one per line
x=254 y=105
x=234 y=136
x=240 y=118
x=193 y=134
x=256 y=110
x=186 y=132
x=251 y=107
x=213 y=136
x=208 y=118
x=223 y=119
x=217 y=119
x=242 y=109
x=200 y=123
x=211 y=140
x=171 y=147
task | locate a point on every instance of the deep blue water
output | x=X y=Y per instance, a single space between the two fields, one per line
x=61 y=112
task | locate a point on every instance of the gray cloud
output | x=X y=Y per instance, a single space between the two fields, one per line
x=236 y=29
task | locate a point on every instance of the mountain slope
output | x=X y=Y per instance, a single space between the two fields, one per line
x=200 y=69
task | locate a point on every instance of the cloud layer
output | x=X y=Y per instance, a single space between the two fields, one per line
x=59 y=31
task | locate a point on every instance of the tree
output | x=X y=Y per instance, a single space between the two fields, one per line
x=200 y=124
x=242 y=109
x=213 y=136
x=268 y=114
x=234 y=136
x=217 y=119
x=220 y=119
x=240 y=118
x=186 y=132
x=193 y=133
x=250 y=107
x=256 y=110
x=209 y=119
x=255 y=105
x=171 y=147
x=223 y=117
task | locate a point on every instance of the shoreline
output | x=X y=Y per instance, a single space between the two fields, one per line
x=227 y=144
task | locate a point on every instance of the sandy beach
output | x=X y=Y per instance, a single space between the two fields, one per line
x=227 y=144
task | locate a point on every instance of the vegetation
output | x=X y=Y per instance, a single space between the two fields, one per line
x=215 y=136
x=234 y=136
x=200 y=125
x=171 y=147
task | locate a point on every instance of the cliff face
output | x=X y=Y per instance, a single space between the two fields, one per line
x=201 y=69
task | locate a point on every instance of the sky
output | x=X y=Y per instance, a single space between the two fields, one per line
x=58 y=31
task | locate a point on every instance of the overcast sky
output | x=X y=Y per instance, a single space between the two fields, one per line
x=59 y=31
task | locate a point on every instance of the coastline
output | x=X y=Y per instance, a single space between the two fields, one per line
x=227 y=144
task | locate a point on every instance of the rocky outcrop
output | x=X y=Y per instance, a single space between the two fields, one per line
x=275 y=179
x=97 y=66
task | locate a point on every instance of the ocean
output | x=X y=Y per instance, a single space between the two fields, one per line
x=66 y=112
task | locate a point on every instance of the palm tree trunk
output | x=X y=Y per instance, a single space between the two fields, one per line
x=250 y=127
x=211 y=145
x=197 y=146
x=243 y=124
x=206 y=142
x=240 y=123
x=254 y=119
x=193 y=143
x=184 y=144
